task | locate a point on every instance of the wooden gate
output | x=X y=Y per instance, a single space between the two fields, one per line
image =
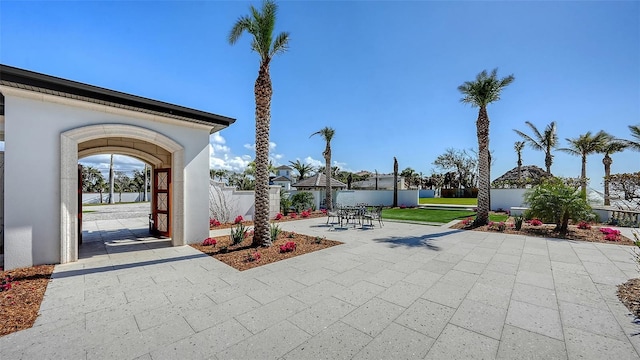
x=161 y=203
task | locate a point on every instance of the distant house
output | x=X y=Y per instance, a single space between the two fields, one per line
x=283 y=177
x=318 y=182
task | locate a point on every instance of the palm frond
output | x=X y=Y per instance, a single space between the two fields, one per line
x=570 y=151
x=280 y=44
x=243 y=24
x=535 y=130
x=529 y=140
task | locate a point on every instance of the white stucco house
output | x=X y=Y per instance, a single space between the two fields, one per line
x=283 y=177
x=49 y=123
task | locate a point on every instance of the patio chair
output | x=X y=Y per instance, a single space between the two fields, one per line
x=334 y=214
x=375 y=214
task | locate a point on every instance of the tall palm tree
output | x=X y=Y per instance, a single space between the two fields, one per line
x=327 y=134
x=635 y=133
x=582 y=146
x=481 y=92
x=610 y=146
x=546 y=141
x=260 y=25
x=302 y=169
x=518 y=146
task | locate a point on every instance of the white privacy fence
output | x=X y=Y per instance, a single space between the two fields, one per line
x=376 y=197
x=94 y=198
x=226 y=203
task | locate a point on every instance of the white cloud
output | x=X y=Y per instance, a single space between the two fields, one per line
x=313 y=162
x=217 y=138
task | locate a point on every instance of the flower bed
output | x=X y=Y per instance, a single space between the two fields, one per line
x=215 y=225
x=243 y=256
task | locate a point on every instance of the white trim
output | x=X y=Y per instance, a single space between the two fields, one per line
x=135 y=153
x=111 y=108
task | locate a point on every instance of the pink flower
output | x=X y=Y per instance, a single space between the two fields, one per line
x=238 y=219
x=278 y=216
x=209 y=242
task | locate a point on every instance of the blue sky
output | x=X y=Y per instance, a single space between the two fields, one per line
x=383 y=74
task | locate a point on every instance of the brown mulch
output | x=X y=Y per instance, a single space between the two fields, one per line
x=239 y=256
x=19 y=305
x=629 y=294
x=546 y=230
x=313 y=215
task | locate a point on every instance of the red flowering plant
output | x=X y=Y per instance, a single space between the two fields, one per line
x=467 y=222
x=5 y=284
x=278 y=216
x=287 y=247
x=213 y=223
x=238 y=219
x=584 y=225
x=293 y=215
x=305 y=214
x=209 y=242
x=535 y=222
x=324 y=211
x=610 y=234
x=251 y=257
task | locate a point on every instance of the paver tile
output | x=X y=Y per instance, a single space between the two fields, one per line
x=426 y=317
x=538 y=319
x=339 y=341
x=396 y=342
x=373 y=316
x=458 y=343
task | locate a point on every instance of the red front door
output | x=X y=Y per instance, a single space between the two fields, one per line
x=162 y=202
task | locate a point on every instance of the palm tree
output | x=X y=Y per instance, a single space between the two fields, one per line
x=582 y=146
x=302 y=169
x=484 y=90
x=327 y=134
x=610 y=146
x=635 y=133
x=518 y=146
x=545 y=141
x=260 y=25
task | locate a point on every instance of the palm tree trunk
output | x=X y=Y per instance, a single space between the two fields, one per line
x=583 y=177
x=327 y=173
x=607 y=172
x=263 y=92
x=548 y=159
x=482 y=125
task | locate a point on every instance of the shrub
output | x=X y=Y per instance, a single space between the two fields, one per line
x=584 y=225
x=274 y=231
x=278 y=216
x=305 y=214
x=302 y=200
x=209 y=242
x=285 y=202
x=608 y=231
x=213 y=223
x=238 y=219
x=518 y=220
x=255 y=256
x=555 y=201
x=238 y=234
x=288 y=247
x=535 y=222
x=5 y=284
x=293 y=215
x=467 y=222
x=612 y=237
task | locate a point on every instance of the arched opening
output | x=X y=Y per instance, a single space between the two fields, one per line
x=119 y=221
x=165 y=157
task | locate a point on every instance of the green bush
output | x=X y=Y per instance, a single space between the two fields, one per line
x=238 y=234
x=285 y=202
x=274 y=231
x=553 y=201
x=518 y=220
x=302 y=200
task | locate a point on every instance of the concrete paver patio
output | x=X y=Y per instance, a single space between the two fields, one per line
x=403 y=291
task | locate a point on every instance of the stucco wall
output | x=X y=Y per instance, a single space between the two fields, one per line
x=376 y=197
x=33 y=128
x=506 y=198
x=238 y=202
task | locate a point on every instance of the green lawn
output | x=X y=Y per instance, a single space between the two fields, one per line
x=435 y=216
x=451 y=201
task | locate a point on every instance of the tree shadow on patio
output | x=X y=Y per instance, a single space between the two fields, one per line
x=416 y=241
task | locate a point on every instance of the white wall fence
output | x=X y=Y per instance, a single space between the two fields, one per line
x=427 y=193
x=507 y=198
x=226 y=203
x=376 y=197
x=94 y=198
x=318 y=196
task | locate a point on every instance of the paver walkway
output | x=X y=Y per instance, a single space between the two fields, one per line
x=403 y=291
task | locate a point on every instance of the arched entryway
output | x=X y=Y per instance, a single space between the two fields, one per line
x=164 y=154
